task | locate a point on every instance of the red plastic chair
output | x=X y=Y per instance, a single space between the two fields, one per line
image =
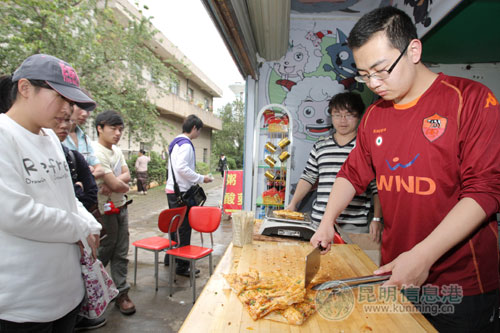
x=337 y=239
x=169 y=221
x=203 y=220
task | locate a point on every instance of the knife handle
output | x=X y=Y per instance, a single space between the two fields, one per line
x=321 y=248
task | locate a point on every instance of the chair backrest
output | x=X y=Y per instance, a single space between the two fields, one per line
x=204 y=219
x=171 y=219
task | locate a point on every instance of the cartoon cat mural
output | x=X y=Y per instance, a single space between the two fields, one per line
x=308 y=103
x=342 y=63
x=300 y=59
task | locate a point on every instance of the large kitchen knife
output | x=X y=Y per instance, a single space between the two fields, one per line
x=313 y=261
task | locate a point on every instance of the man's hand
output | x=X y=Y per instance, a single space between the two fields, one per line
x=105 y=190
x=376 y=228
x=91 y=240
x=207 y=179
x=291 y=207
x=324 y=236
x=409 y=268
x=97 y=240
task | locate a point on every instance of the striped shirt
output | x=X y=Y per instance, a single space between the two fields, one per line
x=325 y=160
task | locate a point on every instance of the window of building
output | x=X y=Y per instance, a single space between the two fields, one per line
x=174 y=87
x=190 y=95
x=207 y=104
x=205 y=155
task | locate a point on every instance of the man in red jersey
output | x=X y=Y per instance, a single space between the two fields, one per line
x=432 y=142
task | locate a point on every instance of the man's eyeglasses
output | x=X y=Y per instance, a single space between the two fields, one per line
x=347 y=116
x=382 y=74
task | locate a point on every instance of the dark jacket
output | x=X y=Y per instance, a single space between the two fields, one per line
x=80 y=172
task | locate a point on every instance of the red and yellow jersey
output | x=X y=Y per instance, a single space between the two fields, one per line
x=426 y=156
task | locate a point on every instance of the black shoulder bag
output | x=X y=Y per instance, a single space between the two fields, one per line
x=194 y=196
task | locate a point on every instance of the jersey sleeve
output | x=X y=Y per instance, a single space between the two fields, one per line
x=479 y=147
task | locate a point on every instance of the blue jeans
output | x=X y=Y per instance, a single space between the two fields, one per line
x=114 y=247
x=65 y=324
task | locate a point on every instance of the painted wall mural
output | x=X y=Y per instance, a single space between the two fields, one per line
x=319 y=64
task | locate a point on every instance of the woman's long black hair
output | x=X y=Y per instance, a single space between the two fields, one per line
x=8 y=91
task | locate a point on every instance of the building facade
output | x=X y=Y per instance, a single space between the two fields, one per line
x=191 y=93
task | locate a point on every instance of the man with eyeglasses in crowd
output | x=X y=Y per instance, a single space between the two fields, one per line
x=432 y=142
x=326 y=157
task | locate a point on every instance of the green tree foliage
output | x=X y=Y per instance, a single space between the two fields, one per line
x=108 y=51
x=231 y=163
x=202 y=168
x=230 y=140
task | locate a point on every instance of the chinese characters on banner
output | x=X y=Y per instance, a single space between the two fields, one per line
x=233 y=191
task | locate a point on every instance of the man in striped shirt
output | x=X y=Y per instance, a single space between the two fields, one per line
x=326 y=159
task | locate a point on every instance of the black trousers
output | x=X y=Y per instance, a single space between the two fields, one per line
x=478 y=313
x=184 y=232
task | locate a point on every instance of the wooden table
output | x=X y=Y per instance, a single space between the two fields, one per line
x=219 y=310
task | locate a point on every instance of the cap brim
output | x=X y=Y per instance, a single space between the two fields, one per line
x=75 y=95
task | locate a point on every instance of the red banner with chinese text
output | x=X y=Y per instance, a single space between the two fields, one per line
x=233 y=191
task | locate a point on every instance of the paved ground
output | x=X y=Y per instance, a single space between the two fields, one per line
x=156 y=311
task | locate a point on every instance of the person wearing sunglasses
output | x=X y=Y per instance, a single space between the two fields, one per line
x=41 y=285
x=432 y=143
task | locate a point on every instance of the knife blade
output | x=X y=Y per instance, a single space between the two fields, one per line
x=352 y=282
x=313 y=262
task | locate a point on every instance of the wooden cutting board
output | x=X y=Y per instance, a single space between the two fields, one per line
x=219 y=310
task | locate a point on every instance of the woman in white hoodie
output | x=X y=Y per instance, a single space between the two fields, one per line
x=41 y=286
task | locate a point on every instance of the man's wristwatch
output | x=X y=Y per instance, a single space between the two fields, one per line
x=377 y=219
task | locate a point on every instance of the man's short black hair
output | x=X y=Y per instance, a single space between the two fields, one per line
x=349 y=101
x=190 y=122
x=396 y=24
x=142 y=151
x=110 y=118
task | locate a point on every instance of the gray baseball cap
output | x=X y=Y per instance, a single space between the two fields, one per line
x=58 y=74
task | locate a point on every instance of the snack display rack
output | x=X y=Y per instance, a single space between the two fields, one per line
x=273 y=140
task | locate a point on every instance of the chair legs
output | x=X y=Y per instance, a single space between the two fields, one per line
x=156 y=267
x=156 y=270
x=171 y=268
x=135 y=266
x=193 y=278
